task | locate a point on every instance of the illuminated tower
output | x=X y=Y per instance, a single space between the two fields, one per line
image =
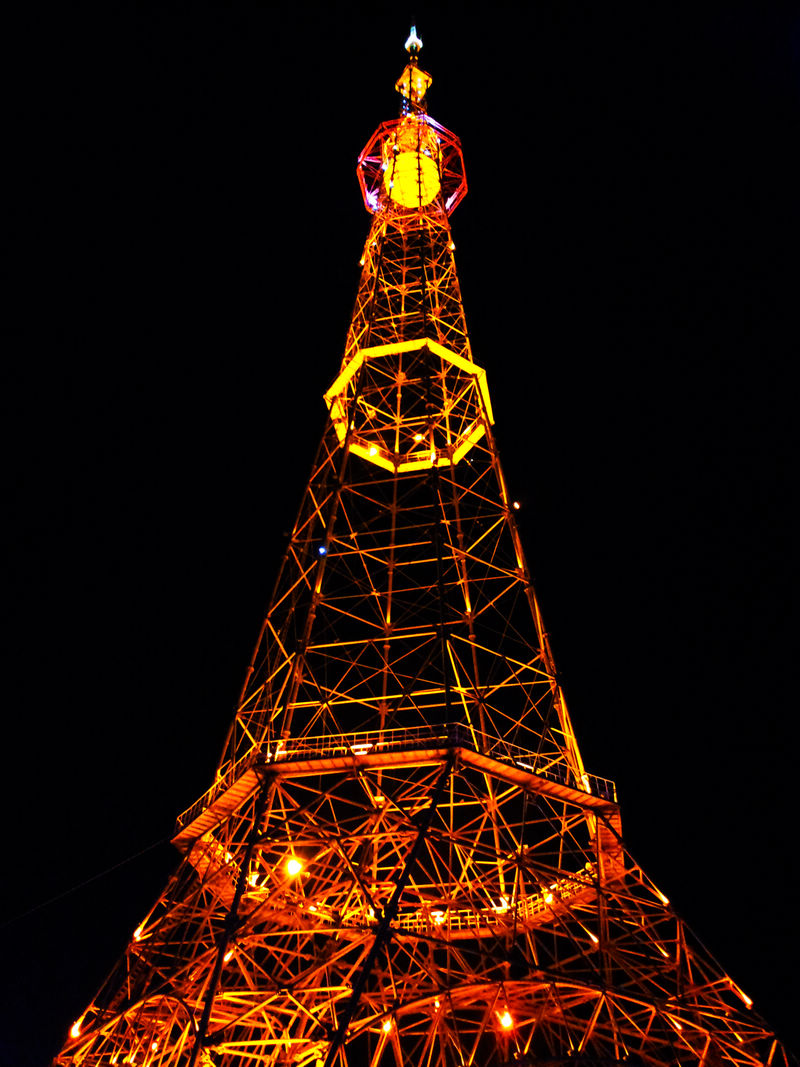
x=402 y=859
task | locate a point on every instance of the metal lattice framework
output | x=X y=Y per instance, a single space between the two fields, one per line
x=402 y=859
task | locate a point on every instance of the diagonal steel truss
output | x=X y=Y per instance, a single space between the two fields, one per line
x=402 y=859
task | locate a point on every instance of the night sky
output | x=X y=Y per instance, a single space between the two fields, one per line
x=191 y=226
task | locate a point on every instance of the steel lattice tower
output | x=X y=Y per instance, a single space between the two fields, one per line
x=402 y=859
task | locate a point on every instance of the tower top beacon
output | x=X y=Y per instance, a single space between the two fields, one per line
x=414 y=82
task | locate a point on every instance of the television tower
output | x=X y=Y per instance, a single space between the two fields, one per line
x=402 y=859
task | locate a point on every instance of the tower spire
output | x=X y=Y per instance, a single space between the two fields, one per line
x=413 y=83
x=402 y=858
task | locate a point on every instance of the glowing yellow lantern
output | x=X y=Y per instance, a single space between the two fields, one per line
x=414 y=83
x=411 y=165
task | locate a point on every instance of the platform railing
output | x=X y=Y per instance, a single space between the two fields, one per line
x=443 y=917
x=401 y=739
x=526 y=909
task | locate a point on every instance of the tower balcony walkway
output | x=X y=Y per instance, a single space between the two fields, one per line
x=402 y=747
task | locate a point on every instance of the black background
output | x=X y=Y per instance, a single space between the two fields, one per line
x=189 y=229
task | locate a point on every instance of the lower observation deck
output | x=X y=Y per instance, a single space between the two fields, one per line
x=305 y=756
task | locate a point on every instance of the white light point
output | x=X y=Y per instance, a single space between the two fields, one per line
x=413 y=41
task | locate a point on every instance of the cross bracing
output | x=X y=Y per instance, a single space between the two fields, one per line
x=522 y=903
